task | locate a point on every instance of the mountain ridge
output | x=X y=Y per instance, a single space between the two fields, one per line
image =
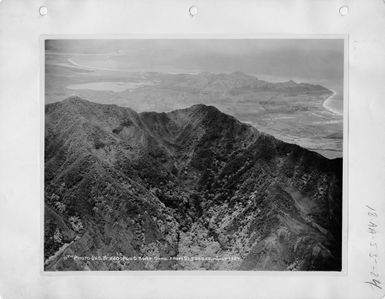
x=235 y=81
x=180 y=174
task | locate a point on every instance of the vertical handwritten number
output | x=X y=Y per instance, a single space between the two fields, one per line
x=374 y=283
x=369 y=207
x=374 y=274
x=372 y=229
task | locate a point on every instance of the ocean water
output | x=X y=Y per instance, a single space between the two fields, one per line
x=109 y=86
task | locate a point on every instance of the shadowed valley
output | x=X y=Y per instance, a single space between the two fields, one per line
x=191 y=182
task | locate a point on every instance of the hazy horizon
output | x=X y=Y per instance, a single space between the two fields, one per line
x=303 y=60
x=122 y=72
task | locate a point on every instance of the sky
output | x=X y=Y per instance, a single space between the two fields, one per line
x=312 y=60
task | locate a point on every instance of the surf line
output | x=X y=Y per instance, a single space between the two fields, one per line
x=93 y=68
x=327 y=106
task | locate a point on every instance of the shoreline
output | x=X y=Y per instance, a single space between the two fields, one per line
x=74 y=64
x=331 y=109
x=88 y=68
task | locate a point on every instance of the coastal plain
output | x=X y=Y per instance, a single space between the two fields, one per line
x=291 y=111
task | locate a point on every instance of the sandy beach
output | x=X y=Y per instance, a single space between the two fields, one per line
x=332 y=104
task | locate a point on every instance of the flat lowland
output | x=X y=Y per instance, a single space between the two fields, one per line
x=291 y=111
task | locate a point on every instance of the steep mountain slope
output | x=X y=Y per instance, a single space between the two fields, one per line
x=144 y=191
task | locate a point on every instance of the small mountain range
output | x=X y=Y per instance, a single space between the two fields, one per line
x=232 y=82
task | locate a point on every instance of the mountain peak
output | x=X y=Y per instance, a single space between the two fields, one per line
x=195 y=108
x=202 y=107
x=197 y=113
x=72 y=103
x=242 y=75
x=75 y=100
x=290 y=83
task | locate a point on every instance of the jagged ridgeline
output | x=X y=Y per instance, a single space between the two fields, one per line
x=189 y=183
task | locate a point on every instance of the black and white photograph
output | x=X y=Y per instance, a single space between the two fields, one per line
x=219 y=154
